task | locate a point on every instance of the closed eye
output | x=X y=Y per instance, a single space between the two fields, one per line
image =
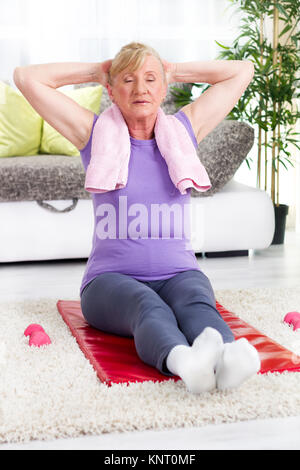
x=149 y=80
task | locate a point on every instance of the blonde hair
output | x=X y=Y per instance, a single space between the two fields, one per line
x=132 y=55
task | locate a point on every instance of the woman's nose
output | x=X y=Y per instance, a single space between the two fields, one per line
x=140 y=86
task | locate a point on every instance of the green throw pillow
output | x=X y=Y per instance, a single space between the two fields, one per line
x=20 y=124
x=52 y=141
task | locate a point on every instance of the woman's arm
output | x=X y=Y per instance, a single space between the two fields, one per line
x=207 y=71
x=229 y=80
x=38 y=84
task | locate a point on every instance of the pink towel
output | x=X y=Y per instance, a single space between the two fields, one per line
x=108 y=167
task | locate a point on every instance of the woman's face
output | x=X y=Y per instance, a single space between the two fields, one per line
x=139 y=94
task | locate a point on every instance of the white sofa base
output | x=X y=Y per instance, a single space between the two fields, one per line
x=238 y=217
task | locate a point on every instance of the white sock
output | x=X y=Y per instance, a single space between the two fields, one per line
x=238 y=362
x=195 y=364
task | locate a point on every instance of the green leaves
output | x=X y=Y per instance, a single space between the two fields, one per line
x=268 y=100
x=221 y=45
x=182 y=96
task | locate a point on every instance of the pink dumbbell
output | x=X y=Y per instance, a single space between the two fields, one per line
x=33 y=327
x=293 y=318
x=38 y=336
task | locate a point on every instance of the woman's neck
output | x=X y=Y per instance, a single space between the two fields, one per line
x=141 y=134
x=142 y=129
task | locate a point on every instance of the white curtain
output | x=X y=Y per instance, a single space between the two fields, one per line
x=41 y=31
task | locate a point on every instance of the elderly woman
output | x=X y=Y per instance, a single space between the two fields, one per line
x=150 y=288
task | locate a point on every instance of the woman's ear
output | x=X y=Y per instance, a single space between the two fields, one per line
x=109 y=91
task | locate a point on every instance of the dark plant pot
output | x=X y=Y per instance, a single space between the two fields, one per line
x=281 y=213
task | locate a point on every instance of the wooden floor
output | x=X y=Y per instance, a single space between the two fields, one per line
x=279 y=265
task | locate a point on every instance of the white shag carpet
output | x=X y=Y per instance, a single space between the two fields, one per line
x=53 y=391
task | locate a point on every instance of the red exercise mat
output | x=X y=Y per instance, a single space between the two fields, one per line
x=115 y=359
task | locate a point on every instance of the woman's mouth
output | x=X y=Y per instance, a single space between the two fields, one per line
x=140 y=102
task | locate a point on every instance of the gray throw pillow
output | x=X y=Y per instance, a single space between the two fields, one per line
x=168 y=104
x=105 y=100
x=222 y=152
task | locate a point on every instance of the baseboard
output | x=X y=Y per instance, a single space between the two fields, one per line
x=225 y=254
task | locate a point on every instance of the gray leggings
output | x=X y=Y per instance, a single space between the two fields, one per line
x=158 y=314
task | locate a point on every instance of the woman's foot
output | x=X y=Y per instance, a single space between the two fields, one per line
x=195 y=364
x=238 y=362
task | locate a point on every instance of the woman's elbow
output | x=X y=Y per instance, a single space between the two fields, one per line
x=249 y=66
x=18 y=76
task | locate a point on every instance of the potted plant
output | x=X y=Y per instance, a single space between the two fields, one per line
x=267 y=103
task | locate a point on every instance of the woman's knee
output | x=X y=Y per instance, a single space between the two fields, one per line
x=102 y=304
x=90 y=307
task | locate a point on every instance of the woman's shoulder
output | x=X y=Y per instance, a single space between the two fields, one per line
x=184 y=119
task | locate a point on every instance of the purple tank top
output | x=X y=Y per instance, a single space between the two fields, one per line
x=142 y=230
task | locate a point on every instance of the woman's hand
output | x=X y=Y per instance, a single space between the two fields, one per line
x=169 y=68
x=103 y=72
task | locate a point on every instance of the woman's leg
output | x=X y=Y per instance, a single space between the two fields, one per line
x=191 y=297
x=119 y=304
